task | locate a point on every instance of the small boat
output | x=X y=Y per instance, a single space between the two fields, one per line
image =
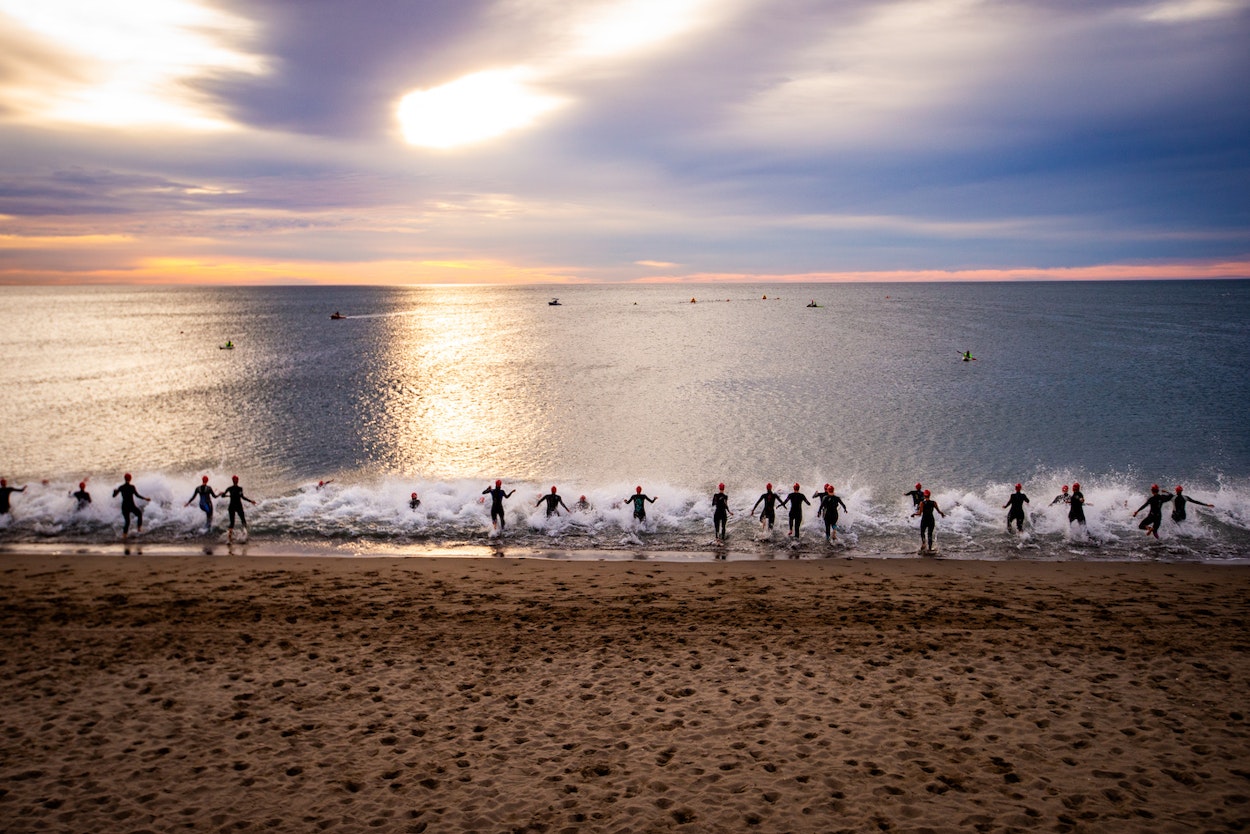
x=813 y=304
x=336 y=315
x=226 y=346
x=555 y=302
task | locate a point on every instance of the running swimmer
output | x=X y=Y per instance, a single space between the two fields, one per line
x=1154 y=515
x=795 y=501
x=205 y=493
x=916 y=495
x=1062 y=497
x=769 y=514
x=582 y=504
x=927 y=522
x=1179 y=501
x=5 y=492
x=81 y=496
x=554 y=501
x=414 y=502
x=1076 y=506
x=129 y=493
x=235 y=493
x=829 y=503
x=1016 y=501
x=639 y=500
x=720 y=513
x=496 y=493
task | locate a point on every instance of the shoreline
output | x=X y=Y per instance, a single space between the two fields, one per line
x=297 y=693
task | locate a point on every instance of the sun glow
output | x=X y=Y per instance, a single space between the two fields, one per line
x=473 y=109
x=121 y=65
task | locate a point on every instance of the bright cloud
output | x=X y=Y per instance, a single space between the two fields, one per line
x=474 y=108
x=121 y=64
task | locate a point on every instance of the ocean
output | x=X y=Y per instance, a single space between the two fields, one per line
x=674 y=388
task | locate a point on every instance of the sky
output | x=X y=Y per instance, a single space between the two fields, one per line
x=572 y=141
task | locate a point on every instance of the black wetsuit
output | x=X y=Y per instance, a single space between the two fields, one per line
x=916 y=496
x=553 y=502
x=829 y=504
x=1016 y=501
x=496 y=504
x=205 y=493
x=1178 y=506
x=795 y=501
x=83 y=497
x=1061 y=497
x=640 y=505
x=720 y=513
x=1076 y=507
x=128 y=493
x=414 y=503
x=769 y=513
x=5 y=492
x=1154 y=516
x=927 y=522
x=235 y=493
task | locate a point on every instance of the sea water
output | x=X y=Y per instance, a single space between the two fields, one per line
x=674 y=388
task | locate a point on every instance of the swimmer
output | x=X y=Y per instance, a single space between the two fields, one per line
x=322 y=484
x=235 y=493
x=1155 y=514
x=81 y=496
x=795 y=501
x=639 y=501
x=1016 y=501
x=1076 y=506
x=916 y=495
x=205 y=493
x=5 y=492
x=829 y=504
x=1062 y=497
x=496 y=493
x=968 y=357
x=129 y=493
x=553 y=502
x=720 y=512
x=1179 y=501
x=414 y=502
x=927 y=522
x=582 y=504
x=769 y=514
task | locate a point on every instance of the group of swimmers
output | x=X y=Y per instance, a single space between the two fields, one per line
x=829 y=505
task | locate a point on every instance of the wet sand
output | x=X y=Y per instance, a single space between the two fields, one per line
x=156 y=694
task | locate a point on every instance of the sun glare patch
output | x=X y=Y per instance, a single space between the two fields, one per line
x=472 y=109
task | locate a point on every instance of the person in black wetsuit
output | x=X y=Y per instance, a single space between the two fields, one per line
x=639 y=500
x=496 y=493
x=5 y=492
x=829 y=504
x=235 y=508
x=927 y=522
x=1076 y=506
x=205 y=494
x=81 y=496
x=1016 y=501
x=582 y=504
x=1179 y=501
x=769 y=514
x=916 y=495
x=553 y=502
x=795 y=501
x=414 y=502
x=129 y=493
x=1062 y=497
x=1154 y=517
x=720 y=512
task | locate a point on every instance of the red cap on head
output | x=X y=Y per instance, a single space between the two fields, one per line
x=1065 y=487
x=3 y=482
x=583 y=498
x=1154 y=487
x=638 y=490
x=126 y=476
x=82 y=485
x=1075 y=485
x=828 y=487
x=498 y=483
x=234 y=478
x=1179 y=488
x=553 y=489
x=796 y=487
x=917 y=486
x=926 y=493
x=720 y=486
x=768 y=487
x=1019 y=487
x=204 y=479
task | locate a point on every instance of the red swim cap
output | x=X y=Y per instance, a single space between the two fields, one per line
x=553 y=489
x=127 y=476
x=638 y=489
x=796 y=487
x=1065 y=487
x=234 y=478
x=722 y=486
x=1075 y=485
x=828 y=487
x=204 y=480
x=82 y=485
x=917 y=486
x=414 y=495
x=1018 y=487
x=768 y=487
x=498 y=482
x=1179 y=487
x=926 y=493
x=1154 y=488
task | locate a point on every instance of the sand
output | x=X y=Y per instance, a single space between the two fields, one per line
x=159 y=694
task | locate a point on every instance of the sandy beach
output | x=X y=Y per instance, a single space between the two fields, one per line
x=158 y=694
